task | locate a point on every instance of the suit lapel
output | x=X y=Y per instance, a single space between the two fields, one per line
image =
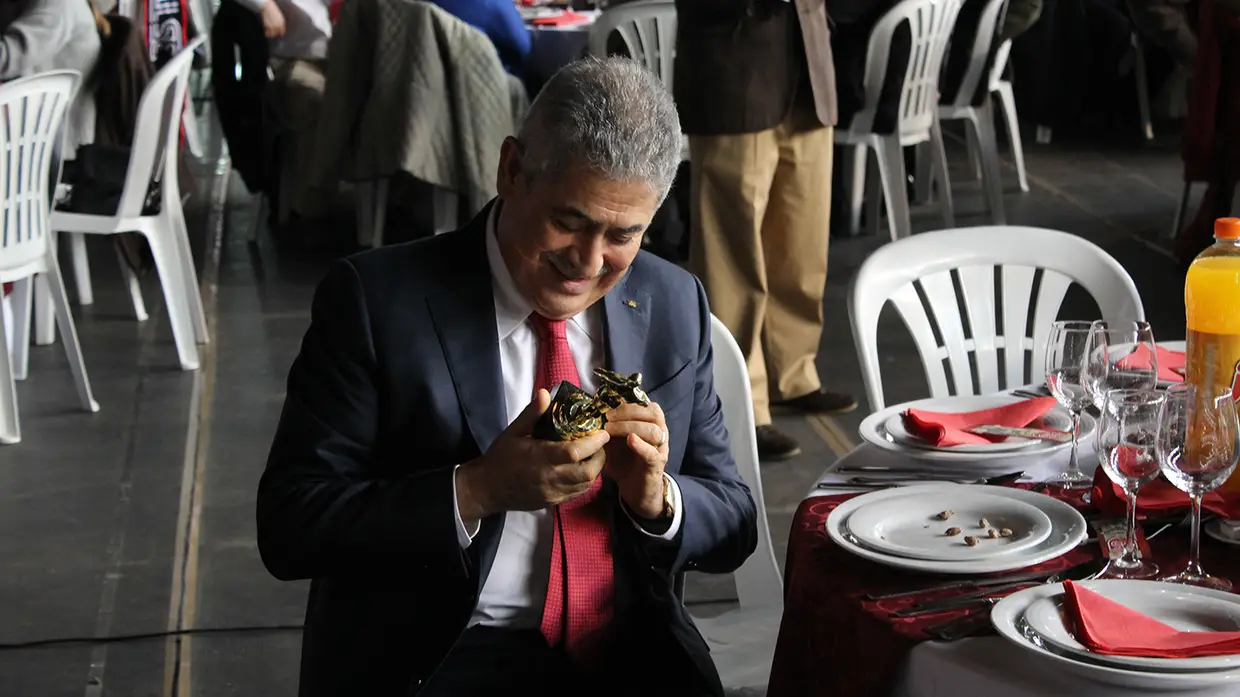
x=626 y=310
x=464 y=319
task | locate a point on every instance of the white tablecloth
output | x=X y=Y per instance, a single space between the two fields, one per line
x=990 y=666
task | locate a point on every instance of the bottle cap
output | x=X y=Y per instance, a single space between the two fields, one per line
x=1227 y=228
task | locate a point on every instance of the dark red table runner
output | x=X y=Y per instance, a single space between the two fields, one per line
x=833 y=642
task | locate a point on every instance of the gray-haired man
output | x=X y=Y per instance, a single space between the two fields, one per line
x=452 y=553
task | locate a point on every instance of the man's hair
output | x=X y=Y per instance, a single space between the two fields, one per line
x=611 y=116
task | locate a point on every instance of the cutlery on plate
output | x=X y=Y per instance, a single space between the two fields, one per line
x=972 y=624
x=880 y=482
x=1036 y=433
x=1038 y=576
x=1031 y=394
x=1080 y=572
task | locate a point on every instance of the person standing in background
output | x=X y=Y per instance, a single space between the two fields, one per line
x=501 y=22
x=54 y=35
x=298 y=32
x=755 y=86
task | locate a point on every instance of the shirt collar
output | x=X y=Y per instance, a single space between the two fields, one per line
x=511 y=309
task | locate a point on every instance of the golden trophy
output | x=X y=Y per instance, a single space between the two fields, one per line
x=574 y=413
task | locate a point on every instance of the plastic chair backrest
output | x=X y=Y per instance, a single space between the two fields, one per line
x=758 y=581
x=968 y=276
x=648 y=29
x=930 y=23
x=1001 y=58
x=157 y=131
x=32 y=110
x=980 y=63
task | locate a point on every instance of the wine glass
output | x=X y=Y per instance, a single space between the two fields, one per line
x=1065 y=355
x=1198 y=446
x=1127 y=446
x=1113 y=359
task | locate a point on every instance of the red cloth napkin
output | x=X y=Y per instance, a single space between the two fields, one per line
x=1159 y=497
x=565 y=17
x=1168 y=362
x=1104 y=626
x=945 y=430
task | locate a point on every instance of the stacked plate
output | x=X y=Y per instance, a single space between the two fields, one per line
x=1033 y=620
x=956 y=529
x=885 y=429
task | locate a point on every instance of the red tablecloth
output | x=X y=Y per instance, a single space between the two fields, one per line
x=833 y=642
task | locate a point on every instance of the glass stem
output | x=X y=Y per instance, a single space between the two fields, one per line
x=1129 y=557
x=1194 y=544
x=1074 y=469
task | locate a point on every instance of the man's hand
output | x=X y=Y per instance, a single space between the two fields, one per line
x=273 y=20
x=522 y=473
x=637 y=455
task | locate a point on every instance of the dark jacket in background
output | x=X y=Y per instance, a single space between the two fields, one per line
x=853 y=22
x=118 y=82
x=741 y=64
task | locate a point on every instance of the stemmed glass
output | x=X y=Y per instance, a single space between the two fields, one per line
x=1109 y=359
x=1065 y=356
x=1127 y=446
x=1198 y=446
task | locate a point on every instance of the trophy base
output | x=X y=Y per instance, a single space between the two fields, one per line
x=565 y=395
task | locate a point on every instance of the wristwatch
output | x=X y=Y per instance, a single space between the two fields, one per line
x=669 y=503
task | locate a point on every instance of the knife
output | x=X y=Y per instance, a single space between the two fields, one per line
x=959 y=601
x=1037 y=433
x=954 y=585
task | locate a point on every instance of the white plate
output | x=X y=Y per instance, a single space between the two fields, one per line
x=874 y=430
x=1008 y=618
x=1050 y=421
x=1067 y=530
x=1172 y=604
x=1214 y=529
x=910 y=526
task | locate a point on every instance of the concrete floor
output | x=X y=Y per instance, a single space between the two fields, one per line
x=139 y=519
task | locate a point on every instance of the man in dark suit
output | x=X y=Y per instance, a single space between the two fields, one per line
x=451 y=552
x=755 y=84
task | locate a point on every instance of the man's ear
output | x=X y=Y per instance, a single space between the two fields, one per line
x=508 y=178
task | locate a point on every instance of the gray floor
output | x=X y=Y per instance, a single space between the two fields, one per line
x=139 y=519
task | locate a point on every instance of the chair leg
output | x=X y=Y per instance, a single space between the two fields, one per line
x=168 y=264
x=895 y=191
x=22 y=299
x=924 y=178
x=260 y=213
x=68 y=333
x=1180 y=209
x=44 y=316
x=134 y=286
x=10 y=428
x=1143 y=87
x=189 y=273
x=939 y=156
x=81 y=268
x=1007 y=101
x=988 y=148
x=974 y=153
x=856 y=188
x=380 y=212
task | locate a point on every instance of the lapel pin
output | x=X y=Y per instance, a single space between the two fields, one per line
x=631 y=303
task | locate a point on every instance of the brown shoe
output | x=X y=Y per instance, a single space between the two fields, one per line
x=774 y=444
x=822 y=402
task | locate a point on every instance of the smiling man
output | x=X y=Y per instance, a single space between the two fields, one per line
x=451 y=552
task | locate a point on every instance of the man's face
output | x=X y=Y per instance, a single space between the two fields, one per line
x=568 y=240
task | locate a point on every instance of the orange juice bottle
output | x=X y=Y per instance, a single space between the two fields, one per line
x=1212 y=306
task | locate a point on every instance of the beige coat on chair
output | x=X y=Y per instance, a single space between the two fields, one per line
x=411 y=88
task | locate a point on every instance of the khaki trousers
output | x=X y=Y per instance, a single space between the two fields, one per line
x=761 y=217
x=300 y=84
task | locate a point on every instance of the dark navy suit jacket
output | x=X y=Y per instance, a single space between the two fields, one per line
x=398 y=381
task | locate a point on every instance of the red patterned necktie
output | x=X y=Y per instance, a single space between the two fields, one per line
x=580 y=590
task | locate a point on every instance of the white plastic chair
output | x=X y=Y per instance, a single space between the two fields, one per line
x=1002 y=89
x=931 y=23
x=32 y=110
x=981 y=119
x=961 y=336
x=742 y=642
x=153 y=162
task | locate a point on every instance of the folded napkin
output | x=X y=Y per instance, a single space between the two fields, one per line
x=1159 y=497
x=946 y=430
x=561 y=19
x=1168 y=362
x=1104 y=626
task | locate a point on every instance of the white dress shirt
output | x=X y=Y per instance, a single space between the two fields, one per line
x=516 y=587
x=307 y=28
